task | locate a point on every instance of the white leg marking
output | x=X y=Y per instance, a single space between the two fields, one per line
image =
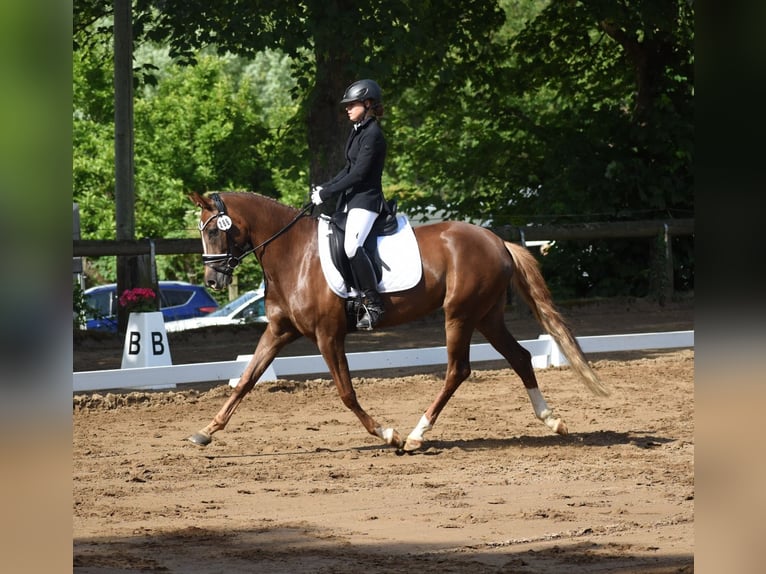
x=386 y=434
x=544 y=413
x=422 y=427
x=415 y=438
x=538 y=403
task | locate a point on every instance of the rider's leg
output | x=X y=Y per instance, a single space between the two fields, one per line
x=358 y=225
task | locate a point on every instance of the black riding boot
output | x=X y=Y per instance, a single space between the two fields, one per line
x=366 y=284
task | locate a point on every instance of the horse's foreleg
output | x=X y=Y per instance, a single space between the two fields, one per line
x=416 y=438
x=268 y=347
x=458 y=370
x=335 y=357
x=348 y=396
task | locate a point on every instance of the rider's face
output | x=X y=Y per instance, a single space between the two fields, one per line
x=355 y=111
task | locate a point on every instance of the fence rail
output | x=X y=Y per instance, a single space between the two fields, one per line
x=613 y=230
x=545 y=353
x=607 y=230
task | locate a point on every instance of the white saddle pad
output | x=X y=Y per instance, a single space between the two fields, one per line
x=399 y=252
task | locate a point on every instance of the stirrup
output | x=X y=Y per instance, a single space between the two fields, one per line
x=368 y=316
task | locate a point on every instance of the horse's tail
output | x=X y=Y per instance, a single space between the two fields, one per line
x=528 y=282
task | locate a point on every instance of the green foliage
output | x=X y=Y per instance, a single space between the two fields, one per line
x=620 y=115
x=203 y=131
x=568 y=125
x=198 y=128
x=584 y=113
x=581 y=269
x=80 y=308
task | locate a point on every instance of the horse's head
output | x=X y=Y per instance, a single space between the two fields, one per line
x=224 y=240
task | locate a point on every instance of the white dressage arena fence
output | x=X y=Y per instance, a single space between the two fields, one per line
x=545 y=353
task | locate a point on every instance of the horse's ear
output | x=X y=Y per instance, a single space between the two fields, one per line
x=199 y=200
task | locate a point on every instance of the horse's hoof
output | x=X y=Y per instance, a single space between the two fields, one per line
x=556 y=425
x=200 y=438
x=413 y=444
x=393 y=438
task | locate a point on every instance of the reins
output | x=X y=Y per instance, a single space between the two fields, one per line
x=224 y=223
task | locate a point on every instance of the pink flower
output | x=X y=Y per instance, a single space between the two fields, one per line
x=138 y=300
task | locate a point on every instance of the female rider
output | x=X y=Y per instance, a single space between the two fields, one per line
x=358 y=189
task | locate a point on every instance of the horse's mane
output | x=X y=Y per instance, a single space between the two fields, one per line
x=271 y=200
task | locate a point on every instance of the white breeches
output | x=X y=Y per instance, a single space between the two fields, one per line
x=358 y=225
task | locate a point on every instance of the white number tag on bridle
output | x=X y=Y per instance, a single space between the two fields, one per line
x=224 y=222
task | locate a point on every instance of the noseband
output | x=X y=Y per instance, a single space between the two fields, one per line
x=223 y=222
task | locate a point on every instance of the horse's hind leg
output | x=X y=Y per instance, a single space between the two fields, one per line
x=458 y=333
x=493 y=328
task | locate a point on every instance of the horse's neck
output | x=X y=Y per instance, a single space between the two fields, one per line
x=266 y=216
x=268 y=220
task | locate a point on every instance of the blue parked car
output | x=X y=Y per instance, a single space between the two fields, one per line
x=178 y=300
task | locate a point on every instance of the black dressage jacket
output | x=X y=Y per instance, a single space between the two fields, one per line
x=359 y=184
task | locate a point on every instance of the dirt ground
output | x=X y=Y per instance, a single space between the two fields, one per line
x=295 y=485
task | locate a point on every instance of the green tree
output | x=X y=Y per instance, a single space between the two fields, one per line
x=330 y=43
x=584 y=114
x=614 y=96
x=617 y=131
x=197 y=128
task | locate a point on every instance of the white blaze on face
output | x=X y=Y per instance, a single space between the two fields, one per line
x=205 y=250
x=201 y=226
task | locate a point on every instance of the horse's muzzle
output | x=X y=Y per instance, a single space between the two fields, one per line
x=216 y=280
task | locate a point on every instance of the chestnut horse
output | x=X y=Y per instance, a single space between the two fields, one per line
x=466 y=271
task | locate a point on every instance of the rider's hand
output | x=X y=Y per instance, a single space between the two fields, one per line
x=315 y=189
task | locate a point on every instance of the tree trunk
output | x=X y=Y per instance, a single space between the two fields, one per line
x=648 y=59
x=127 y=267
x=328 y=125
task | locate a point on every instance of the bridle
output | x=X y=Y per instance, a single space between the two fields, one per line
x=224 y=223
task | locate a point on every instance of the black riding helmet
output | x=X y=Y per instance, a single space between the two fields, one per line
x=363 y=90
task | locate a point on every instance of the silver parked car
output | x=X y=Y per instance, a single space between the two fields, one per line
x=247 y=308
